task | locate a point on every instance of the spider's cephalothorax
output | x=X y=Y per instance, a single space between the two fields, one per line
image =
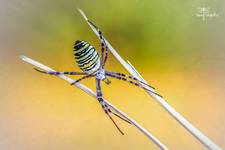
x=89 y=61
x=100 y=74
x=87 y=57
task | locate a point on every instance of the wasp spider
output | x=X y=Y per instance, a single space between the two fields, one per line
x=92 y=65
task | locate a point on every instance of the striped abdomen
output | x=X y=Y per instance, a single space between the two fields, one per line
x=86 y=57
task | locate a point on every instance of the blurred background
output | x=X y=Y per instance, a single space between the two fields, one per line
x=181 y=55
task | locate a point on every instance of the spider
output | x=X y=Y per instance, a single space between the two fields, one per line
x=92 y=65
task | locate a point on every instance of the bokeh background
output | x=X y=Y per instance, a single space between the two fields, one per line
x=175 y=51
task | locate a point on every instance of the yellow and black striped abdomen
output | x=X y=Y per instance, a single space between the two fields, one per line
x=86 y=56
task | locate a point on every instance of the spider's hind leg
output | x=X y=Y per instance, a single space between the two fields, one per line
x=104 y=47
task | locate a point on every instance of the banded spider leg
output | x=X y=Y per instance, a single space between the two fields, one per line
x=127 y=78
x=104 y=47
x=68 y=73
x=106 y=107
x=58 y=73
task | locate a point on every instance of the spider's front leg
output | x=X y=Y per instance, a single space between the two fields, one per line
x=67 y=73
x=99 y=97
x=124 y=77
x=59 y=73
x=84 y=77
x=104 y=105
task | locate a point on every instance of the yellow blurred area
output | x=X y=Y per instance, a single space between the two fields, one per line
x=47 y=113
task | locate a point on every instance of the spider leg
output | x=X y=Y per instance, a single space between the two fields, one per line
x=132 y=82
x=130 y=77
x=120 y=117
x=106 y=54
x=84 y=77
x=104 y=47
x=104 y=105
x=58 y=73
